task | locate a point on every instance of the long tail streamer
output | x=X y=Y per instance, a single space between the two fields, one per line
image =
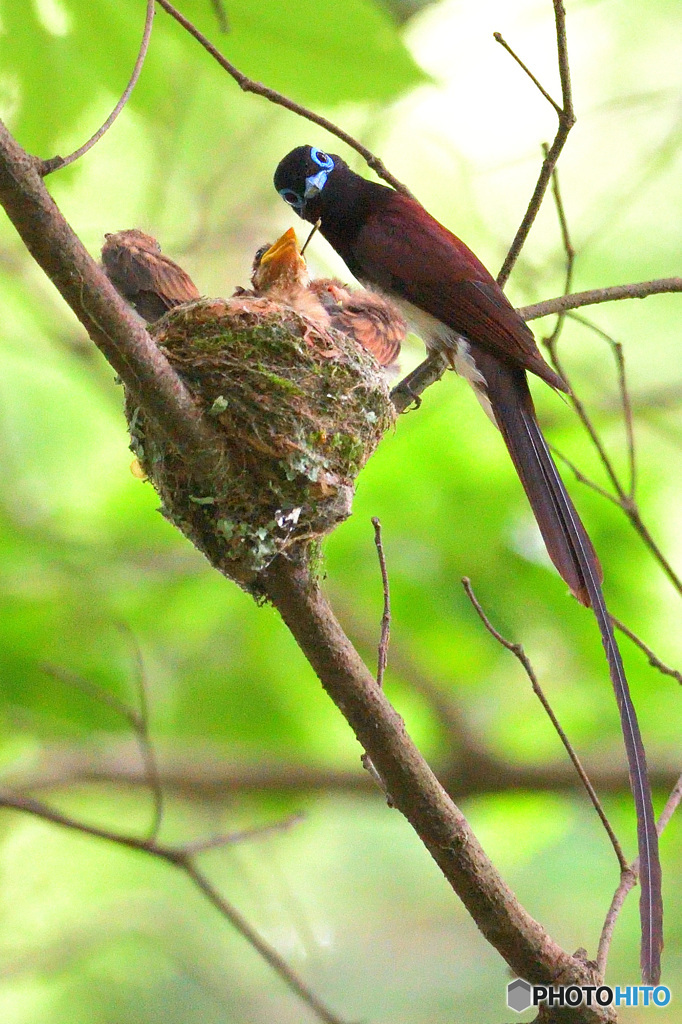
x=572 y=552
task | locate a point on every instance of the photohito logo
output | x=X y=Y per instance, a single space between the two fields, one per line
x=521 y=995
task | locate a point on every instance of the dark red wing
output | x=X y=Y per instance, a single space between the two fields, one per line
x=403 y=250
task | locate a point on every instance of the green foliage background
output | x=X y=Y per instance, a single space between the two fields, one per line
x=91 y=933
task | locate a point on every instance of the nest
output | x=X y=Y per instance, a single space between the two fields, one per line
x=299 y=411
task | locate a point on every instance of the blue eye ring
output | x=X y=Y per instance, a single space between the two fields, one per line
x=290 y=196
x=321 y=159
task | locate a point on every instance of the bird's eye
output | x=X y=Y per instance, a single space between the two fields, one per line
x=321 y=159
x=260 y=253
x=292 y=198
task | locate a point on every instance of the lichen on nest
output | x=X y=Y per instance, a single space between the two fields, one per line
x=299 y=410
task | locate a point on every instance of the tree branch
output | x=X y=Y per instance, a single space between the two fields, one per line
x=432 y=369
x=566 y=121
x=247 y=84
x=208 y=772
x=410 y=783
x=640 y=290
x=517 y=650
x=116 y=330
x=57 y=162
x=184 y=858
x=629 y=880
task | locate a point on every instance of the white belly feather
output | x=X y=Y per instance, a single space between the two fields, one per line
x=439 y=338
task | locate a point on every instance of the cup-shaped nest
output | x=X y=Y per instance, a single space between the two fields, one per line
x=298 y=411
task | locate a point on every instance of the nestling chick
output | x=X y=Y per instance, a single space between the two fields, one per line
x=281 y=274
x=151 y=282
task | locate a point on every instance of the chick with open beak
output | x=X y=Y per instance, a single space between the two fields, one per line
x=280 y=273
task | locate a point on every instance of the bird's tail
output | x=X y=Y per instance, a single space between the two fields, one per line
x=572 y=552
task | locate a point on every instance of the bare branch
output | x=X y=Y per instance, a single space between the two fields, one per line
x=57 y=162
x=386 y=615
x=258 y=89
x=264 y=949
x=519 y=653
x=466 y=755
x=137 y=720
x=411 y=387
x=566 y=122
x=142 y=731
x=562 y=303
x=653 y=658
x=629 y=881
x=199 y=771
x=244 y=835
x=568 y=249
x=92 y=690
x=583 y=479
x=498 y=37
x=112 y=325
x=625 y=400
x=221 y=15
x=180 y=858
x=412 y=786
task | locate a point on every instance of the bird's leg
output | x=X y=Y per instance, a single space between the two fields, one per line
x=410 y=387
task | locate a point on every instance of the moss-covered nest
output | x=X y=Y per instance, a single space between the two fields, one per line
x=300 y=411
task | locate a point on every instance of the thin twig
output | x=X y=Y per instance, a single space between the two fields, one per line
x=672 y=803
x=414 y=789
x=639 y=290
x=596 y=440
x=243 y=835
x=622 y=498
x=519 y=653
x=264 y=949
x=142 y=731
x=629 y=880
x=382 y=661
x=566 y=121
x=137 y=720
x=407 y=391
x=184 y=860
x=568 y=248
x=627 y=417
x=221 y=15
x=466 y=755
x=652 y=657
x=57 y=162
x=624 y=392
x=92 y=690
x=498 y=37
x=257 y=88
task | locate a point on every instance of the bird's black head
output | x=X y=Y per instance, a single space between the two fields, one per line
x=301 y=177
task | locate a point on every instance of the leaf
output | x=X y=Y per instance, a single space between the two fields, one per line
x=316 y=53
x=69 y=56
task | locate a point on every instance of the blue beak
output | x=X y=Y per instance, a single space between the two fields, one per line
x=314 y=184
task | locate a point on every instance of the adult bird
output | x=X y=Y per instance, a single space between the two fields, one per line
x=390 y=242
x=280 y=273
x=151 y=282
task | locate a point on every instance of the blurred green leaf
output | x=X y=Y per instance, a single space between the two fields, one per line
x=65 y=58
